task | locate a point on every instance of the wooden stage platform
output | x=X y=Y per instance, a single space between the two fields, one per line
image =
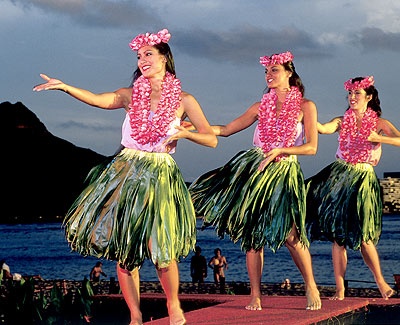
x=229 y=310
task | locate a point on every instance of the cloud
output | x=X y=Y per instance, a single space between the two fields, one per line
x=243 y=43
x=375 y=39
x=97 y=13
x=384 y=14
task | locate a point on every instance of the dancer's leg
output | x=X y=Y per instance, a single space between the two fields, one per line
x=169 y=279
x=339 y=260
x=302 y=258
x=130 y=287
x=255 y=263
x=371 y=258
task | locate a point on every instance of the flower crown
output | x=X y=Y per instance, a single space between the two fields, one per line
x=150 y=39
x=363 y=84
x=276 y=58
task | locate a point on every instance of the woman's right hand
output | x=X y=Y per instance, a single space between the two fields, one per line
x=50 y=84
x=269 y=157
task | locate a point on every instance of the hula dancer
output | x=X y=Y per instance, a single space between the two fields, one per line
x=138 y=207
x=259 y=196
x=344 y=199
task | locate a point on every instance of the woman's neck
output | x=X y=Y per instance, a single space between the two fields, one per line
x=360 y=112
x=281 y=92
x=156 y=83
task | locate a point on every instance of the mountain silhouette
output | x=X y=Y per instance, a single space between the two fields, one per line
x=42 y=174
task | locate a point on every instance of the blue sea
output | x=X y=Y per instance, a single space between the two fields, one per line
x=41 y=249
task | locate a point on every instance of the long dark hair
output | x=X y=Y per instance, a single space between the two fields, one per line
x=163 y=49
x=294 y=79
x=375 y=102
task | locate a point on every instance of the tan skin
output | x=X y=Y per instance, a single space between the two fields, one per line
x=220 y=262
x=277 y=77
x=387 y=133
x=153 y=66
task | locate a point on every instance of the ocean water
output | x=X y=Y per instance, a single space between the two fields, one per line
x=41 y=249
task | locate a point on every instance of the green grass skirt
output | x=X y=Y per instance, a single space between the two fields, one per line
x=136 y=207
x=257 y=208
x=344 y=204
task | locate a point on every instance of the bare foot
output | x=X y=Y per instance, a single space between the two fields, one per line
x=176 y=316
x=255 y=304
x=339 y=295
x=135 y=322
x=313 y=299
x=386 y=291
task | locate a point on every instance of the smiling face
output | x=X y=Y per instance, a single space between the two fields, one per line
x=277 y=77
x=358 y=99
x=150 y=62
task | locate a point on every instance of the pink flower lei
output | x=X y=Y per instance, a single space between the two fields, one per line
x=150 y=130
x=353 y=142
x=276 y=59
x=150 y=39
x=279 y=131
x=362 y=84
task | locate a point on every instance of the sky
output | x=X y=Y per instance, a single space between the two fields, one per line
x=216 y=46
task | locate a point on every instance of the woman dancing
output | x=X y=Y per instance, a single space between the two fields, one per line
x=139 y=207
x=344 y=199
x=258 y=197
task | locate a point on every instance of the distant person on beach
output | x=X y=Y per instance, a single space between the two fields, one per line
x=5 y=269
x=198 y=266
x=259 y=196
x=138 y=206
x=95 y=274
x=96 y=271
x=344 y=202
x=218 y=263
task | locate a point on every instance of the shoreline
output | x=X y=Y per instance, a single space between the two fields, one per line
x=107 y=287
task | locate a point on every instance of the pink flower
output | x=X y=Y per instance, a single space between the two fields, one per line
x=276 y=59
x=150 y=39
x=279 y=131
x=363 y=84
x=353 y=142
x=144 y=129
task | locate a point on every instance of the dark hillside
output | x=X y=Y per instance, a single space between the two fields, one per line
x=42 y=174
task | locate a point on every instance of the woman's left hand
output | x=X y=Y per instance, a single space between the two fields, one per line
x=374 y=137
x=269 y=156
x=171 y=141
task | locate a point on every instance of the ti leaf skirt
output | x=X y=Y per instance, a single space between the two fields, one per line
x=256 y=208
x=136 y=207
x=344 y=204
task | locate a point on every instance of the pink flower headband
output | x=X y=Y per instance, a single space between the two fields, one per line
x=276 y=58
x=150 y=39
x=363 y=84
